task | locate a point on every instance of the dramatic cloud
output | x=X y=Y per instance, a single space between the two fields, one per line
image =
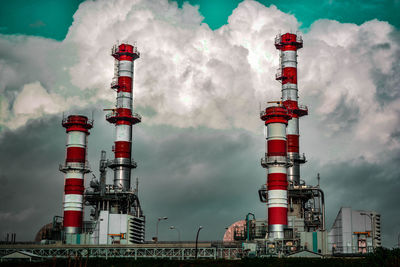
x=190 y=75
x=200 y=91
x=346 y=67
x=182 y=174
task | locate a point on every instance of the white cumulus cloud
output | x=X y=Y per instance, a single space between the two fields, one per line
x=191 y=75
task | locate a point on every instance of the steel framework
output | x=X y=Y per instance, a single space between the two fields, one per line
x=106 y=252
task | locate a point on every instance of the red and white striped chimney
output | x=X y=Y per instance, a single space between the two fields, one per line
x=276 y=119
x=122 y=116
x=288 y=44
x=75 y=167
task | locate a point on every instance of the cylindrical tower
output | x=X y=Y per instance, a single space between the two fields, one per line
x=276 y=119
x=75 y=167
x=288 y=44
x=122 y=115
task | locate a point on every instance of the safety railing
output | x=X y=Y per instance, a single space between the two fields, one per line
x=278 y=74
x=115 y=49
x=74 y=166
x=273 y=160
x=116 y=114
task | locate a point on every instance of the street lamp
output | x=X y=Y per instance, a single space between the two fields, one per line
x=197 y=240
x=372 y=230
x=398 y=240
x=179 y=232
x=158 y=221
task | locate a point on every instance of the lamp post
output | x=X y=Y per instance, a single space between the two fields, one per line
x=179 y=232
x=158 y=221
x=398 y=240
x=197 y=240
x=372 y=230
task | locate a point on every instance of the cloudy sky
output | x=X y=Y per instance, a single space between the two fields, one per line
x=206 y=67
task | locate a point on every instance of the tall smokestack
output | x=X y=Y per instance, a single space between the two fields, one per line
x=122 y=115
x=276 y=119
x=288 y=44
x=75 y=167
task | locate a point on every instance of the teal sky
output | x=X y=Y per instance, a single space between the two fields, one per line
x=51 y=19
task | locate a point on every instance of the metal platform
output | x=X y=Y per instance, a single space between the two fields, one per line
x=178 y=251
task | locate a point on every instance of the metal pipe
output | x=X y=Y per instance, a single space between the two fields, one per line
x=321 y=193
x=248 y=224
x=291 y=204
x=103 y=172
x=323 y=208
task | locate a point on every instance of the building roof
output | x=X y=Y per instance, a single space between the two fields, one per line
x=20 y=255
x=305 y=254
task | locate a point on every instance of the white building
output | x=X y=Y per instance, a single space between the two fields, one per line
x=355 y=231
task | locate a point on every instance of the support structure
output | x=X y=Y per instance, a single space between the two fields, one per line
x=296 y=211
x=176 y=251
x=117 y=214
x=276 y=119
x=288 y=44
x=75 y=167
x=305 y=205
x=122 y=115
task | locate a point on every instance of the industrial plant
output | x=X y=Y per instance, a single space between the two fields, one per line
x=116 y=215
x=295 y=221
x=296 y=211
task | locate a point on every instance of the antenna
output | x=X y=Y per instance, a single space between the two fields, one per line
x=137 y=186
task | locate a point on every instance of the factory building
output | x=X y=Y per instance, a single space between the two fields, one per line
x=295 y=211
x=295 y=218
x=303 y=227
x=355 y=231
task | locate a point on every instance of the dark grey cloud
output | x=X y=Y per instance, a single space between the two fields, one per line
x=205 y=177
x=195 y=176
x=31 y=183
x=345 y=116
x=388 y=83
x=364 y=186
